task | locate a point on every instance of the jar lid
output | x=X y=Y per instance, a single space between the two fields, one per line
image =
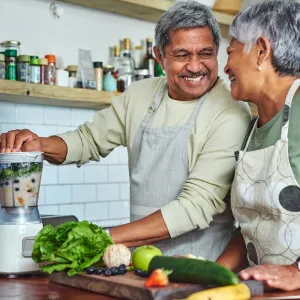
x=43 y=61
x=11 y=52
x=98 y=64
x=142 y=72
x=34 y=60
x=2 y=57
x=23 y=58
x=72 y=68
x=51 y=58
x=11 y=44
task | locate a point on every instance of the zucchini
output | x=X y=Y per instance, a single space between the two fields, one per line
x=233 y=292
x=189 y=270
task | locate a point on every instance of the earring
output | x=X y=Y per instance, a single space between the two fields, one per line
x=259 y=68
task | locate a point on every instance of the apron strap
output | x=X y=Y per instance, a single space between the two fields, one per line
x=286 y=111
x=249 y=134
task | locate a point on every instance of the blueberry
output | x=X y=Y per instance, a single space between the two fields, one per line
x=141 y=273
x=114 y=271
x=99 y=271
x=90 y=270
x=122 y=266
x=107 y=272
x=122 y=270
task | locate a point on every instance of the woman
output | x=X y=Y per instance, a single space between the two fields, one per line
x=264 y=68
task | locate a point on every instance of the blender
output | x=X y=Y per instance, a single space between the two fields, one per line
x=20 y=177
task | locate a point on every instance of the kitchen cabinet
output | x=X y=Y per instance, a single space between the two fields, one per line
x=148 y=10
x=30 y=93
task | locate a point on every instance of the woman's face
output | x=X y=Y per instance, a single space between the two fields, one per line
x=243 y=73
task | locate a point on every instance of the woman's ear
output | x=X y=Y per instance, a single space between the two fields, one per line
x=158 y=56
x=263 y=50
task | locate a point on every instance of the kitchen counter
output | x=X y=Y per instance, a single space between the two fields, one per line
x=38 y=288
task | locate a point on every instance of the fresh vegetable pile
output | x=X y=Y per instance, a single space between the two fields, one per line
x=72 y=247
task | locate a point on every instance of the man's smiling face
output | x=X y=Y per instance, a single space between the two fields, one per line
x=190 y=63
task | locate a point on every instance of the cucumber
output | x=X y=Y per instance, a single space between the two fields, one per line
x=189 y=270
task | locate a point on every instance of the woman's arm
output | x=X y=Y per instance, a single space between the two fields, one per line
x=234 y=256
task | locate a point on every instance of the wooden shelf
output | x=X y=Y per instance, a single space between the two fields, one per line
x=148 y=10
x=30 y=93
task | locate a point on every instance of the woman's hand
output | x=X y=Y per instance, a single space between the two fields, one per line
x=283 y=277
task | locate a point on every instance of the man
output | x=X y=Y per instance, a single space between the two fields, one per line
x=181 y=133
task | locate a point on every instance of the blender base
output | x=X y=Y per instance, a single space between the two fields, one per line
x=12 y=259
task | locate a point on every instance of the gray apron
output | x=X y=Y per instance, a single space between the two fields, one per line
x=265 y=198
x=158 y=170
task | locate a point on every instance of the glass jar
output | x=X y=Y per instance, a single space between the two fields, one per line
x=10 y=45
x=2 y=66
x=34 y=70
x=109 y=81
x=23 y=68
x=72 y=69
x=11 y=64
x=44 y=71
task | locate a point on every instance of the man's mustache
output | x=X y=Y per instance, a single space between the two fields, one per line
x=191 y=74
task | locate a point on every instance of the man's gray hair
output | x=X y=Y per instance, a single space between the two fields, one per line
x=185 y=15
x=279 y=22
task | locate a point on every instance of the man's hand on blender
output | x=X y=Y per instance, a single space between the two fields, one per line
x=53 y=147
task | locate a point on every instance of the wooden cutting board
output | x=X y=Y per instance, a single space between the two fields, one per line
x=127 y=286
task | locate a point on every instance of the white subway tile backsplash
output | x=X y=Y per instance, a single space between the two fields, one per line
x=109 y=223
x=123 y=155
x=76 y=210
x=30 y=114
x=119 y=209
x=58 y=116
x=64 y=129
x=96 y=211
x=48 y=210
x=118 y=173
x=70 y=174
x=49 y=175
x=42 y=196
x=124 y=191
x=13 y=126
x=108 y=192
x=43 y=130
x=95 y=173
x=84 y=193
x=7 y=112
x=58 y=194
x=112 y=158
x=79 y=116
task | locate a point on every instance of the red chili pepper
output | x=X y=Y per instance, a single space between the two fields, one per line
x=158 y=278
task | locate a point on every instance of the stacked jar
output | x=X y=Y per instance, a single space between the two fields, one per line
x=23 y=68
x=2 y=66
x=34 y=69
x=44 y=71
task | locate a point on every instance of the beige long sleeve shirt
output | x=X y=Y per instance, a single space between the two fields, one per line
x=218 y=132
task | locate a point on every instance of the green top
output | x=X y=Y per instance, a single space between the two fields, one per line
x=269 y=134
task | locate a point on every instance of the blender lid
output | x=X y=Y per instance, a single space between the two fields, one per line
x=21 y=156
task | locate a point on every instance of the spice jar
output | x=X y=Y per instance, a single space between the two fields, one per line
x=34 y=69
x=44 y=71
x=11 y=45
x=11 y=64
x=72 y=69
x=109 y=81
x=98 y=75
x=2 y=66
x=52 y=68
x=23 y=68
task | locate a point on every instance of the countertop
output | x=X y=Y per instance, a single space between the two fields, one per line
x=39 y=288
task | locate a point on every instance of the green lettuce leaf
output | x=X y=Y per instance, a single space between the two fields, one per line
x=71 y=247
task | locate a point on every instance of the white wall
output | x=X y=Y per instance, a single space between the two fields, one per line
x=98 y=192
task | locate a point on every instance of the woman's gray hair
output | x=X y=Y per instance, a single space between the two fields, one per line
x=185 y=15
x=279 y=22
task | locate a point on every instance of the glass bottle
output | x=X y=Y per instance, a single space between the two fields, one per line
x=52 y=68
x=2 y=66
x=11 y=64
x=109 y=81
x=23 y=68
x=44 y=71
x=34 y=69
x=149 y=60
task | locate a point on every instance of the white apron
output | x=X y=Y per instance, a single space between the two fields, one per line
x=265 y=199
x=158 y=171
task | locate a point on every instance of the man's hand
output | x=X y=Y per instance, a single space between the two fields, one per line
x=20 y=140
x=284 y=277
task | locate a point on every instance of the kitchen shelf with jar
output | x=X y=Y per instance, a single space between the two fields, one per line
x=148 y=10
x=31 y=93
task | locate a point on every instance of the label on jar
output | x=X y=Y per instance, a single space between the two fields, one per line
x=11 y=71
x=35 y=74
x=2 y=70
x=23 y=72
